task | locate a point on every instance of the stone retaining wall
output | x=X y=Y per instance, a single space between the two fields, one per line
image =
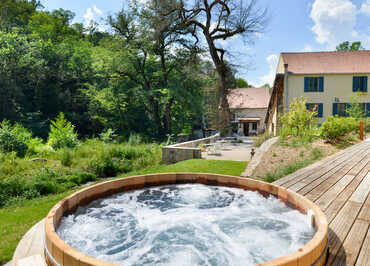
x=185 y=150
x=257 y=158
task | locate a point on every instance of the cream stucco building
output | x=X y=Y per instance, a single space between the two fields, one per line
x=326 y=79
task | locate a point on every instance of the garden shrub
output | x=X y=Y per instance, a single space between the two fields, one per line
x=80 y=178
x=104 y=165
x=107 y=135
x=336 y=127
x=11 y=140
x=45 y=181
x=299 y=122
x=62 y=134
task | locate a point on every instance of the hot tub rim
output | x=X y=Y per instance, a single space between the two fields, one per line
x=313 y=253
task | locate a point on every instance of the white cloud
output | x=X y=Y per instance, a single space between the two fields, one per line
x=334 y=21
x=307 y=48
x=91 y=14
x=272 y=61
x=88 y=16
x=97 y=10
x=365 y=8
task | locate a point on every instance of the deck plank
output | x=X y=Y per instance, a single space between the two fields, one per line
x=340 y=226
x=350 y=250
x=362 y=191
x=340 y=185
x=364 y=257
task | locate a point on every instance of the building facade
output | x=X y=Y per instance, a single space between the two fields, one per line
x=248 y=107
x=328 y=80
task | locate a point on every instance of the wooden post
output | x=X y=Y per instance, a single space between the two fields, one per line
x=361 y=130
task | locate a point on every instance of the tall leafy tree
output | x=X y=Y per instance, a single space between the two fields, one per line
x=159 y=60
x=216 y=20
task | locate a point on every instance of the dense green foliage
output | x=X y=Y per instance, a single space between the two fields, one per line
x=298 y=122
x=15 y=138
x=65 y=168
x=140 y=76
x=336 y=128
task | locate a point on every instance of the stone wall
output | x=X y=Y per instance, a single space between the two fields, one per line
x=186 y=150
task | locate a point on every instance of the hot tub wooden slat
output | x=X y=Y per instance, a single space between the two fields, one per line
x=340 y=185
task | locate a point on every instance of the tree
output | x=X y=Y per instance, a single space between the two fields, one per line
x=355 y=109
x=217 y=20
x=160 y=64
x=241 y=83
x=347 y=46
x=16 y=13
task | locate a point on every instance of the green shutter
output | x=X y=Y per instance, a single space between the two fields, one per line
x=320 y=111
x=365 y=84
x=306 y=84
x=321 y=84
x=335 y=108
x=355 y=84
x=368 y=109
x=307 y=106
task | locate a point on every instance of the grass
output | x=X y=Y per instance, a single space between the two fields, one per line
x=17 y=219
x=316 y=154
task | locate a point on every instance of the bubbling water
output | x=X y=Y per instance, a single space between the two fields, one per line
x=190 y=224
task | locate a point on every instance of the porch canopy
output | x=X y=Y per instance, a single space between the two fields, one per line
x=250 y=119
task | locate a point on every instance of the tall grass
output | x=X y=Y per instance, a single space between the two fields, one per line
x=54 y=171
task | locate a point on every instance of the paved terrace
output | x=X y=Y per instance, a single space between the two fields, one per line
x=340 y=186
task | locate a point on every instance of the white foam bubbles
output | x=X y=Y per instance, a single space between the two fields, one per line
x=188 y=224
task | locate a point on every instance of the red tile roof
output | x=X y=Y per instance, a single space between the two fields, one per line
x=328 y=62
x=249 y=98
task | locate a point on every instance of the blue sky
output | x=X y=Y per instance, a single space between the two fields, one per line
x=295 y=26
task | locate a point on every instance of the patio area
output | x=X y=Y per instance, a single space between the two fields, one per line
x=230 y=151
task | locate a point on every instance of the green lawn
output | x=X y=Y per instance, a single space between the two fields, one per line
x=16 y=220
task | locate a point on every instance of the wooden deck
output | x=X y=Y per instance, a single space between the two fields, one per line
x=340 y=186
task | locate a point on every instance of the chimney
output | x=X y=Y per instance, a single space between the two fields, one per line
x=285 y=68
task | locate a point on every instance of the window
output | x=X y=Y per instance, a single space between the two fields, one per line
x=340 y=109
x=359 y=84
x=254 y=126
x=314 y=84
x=315 y=107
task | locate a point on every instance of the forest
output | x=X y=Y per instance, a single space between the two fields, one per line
x=141 y=75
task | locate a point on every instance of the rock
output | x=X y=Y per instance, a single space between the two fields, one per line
x=38 y=160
